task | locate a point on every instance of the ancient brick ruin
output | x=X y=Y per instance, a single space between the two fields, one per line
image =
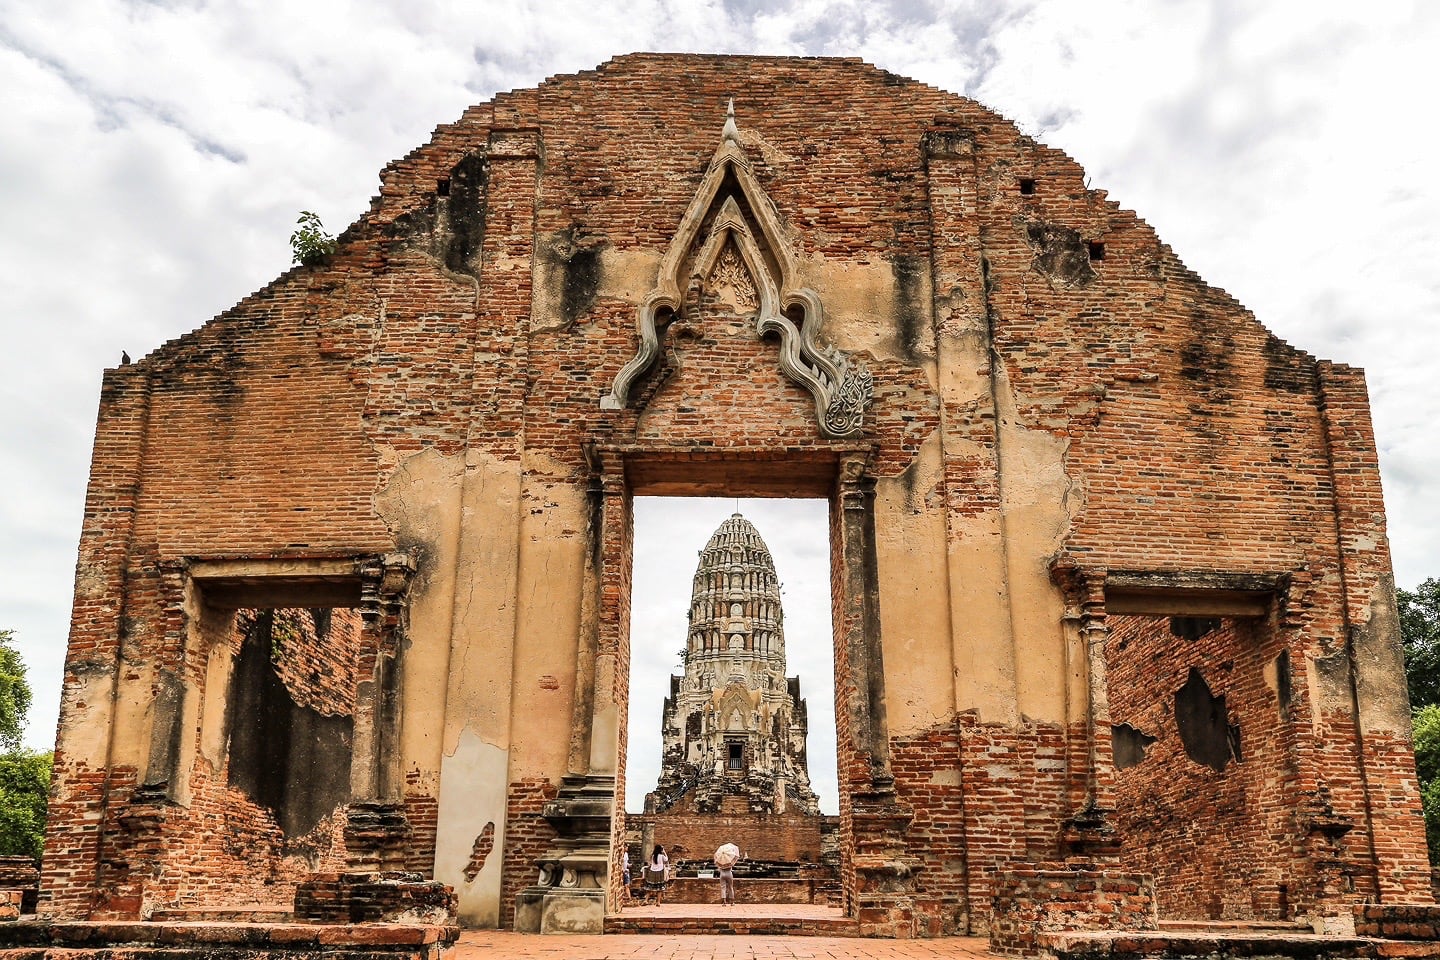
x=1111 y=586
x=733 y=729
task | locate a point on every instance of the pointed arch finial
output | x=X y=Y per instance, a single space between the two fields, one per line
x=841 y=387
x=730 y=131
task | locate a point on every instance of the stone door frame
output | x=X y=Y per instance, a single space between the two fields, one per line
x=581 y=876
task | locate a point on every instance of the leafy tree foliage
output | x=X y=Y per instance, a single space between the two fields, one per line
x=24 y=774
x=1426 y=724
x=14 y=693
x=1420 y=636
x=24 y=786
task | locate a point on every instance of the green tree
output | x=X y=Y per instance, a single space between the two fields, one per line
x=1420 y=636
x=1426 y=725
x=24 y=774
x=24 y=787
x=14 y=694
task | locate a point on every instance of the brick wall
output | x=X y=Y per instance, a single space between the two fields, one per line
x=1036 y=898
x=527 y=836
x=469 y=312
x=1221 y=843
x=782 y=837
x=313 y=652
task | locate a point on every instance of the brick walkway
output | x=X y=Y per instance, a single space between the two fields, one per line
x=503 y=945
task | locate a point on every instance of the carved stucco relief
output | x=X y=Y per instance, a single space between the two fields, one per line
x=753 y=265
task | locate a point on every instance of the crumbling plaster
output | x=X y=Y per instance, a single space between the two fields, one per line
x=472 y=795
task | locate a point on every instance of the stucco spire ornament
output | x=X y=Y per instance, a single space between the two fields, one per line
x=841 y=387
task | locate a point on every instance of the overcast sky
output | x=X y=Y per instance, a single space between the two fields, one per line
x=154 y=156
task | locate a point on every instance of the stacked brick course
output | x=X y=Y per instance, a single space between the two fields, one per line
x=1241 y=864
x=781 y=837
x=1033 y=899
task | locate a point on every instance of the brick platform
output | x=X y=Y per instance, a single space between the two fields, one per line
x=801 y=890
x=1399 y=921
x=1216 y=945
x=125 y=940
x=762 y=919
x=1032 y=900
x=505 y=945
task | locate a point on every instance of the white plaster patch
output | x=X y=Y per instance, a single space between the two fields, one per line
x=628 y=274
x=472 y=794
x=945 y=778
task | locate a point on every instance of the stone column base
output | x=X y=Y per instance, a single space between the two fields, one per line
x=560 y=910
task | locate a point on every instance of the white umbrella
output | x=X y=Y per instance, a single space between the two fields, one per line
x=726 y=855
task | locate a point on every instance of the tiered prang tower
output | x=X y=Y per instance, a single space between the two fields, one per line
x=734 y=725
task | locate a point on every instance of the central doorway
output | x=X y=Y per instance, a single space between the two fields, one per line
x=790 y=850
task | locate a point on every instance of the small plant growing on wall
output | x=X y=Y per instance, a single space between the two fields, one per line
x=310 y=242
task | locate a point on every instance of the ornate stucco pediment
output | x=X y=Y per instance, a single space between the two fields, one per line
x=742 y=251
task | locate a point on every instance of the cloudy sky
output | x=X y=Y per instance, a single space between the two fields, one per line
x=154 y=156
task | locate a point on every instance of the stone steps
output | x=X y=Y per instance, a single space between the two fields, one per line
x=739 y=923
x=240 y=914
x=1235 y=926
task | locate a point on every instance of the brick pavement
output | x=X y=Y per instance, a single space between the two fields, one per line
x=505 y=945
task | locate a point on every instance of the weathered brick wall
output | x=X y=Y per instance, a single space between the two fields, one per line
x=228 y=851
x=313 y=652
x=983 y=795
x=527 y=836
x=850 y=770
x=784 y=837
x=486 y=301
x=928 y=776
x=1035 y=898
x=1398 y=921
x=1221 y=843
x=422 y=809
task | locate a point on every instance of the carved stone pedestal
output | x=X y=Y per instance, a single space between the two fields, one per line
x=569 y=895
x=884 y=873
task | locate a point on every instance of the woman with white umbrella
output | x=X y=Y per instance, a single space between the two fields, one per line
x=725 y=859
